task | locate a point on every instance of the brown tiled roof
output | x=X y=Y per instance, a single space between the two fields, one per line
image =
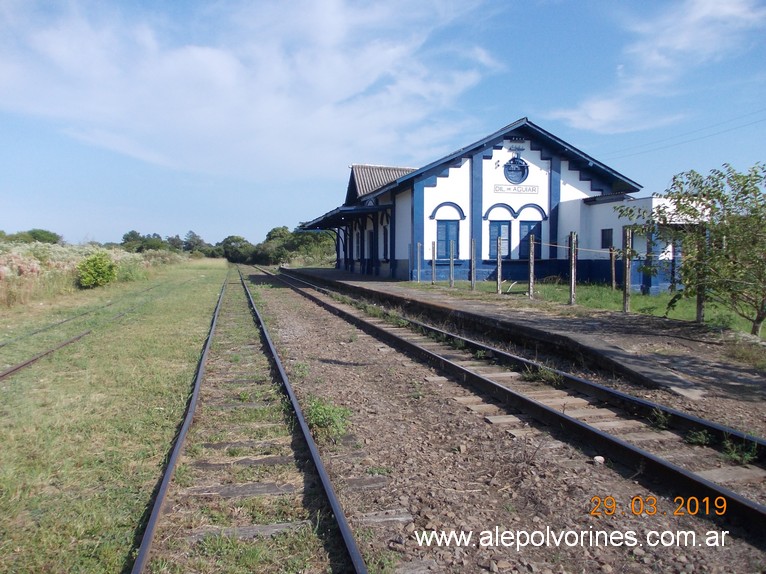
x=365 y=179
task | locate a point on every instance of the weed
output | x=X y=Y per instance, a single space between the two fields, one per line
x=543 y=375
x=417 y=390
x=659 y=419
x=480 y=354
x=743 y=453
x=379 y=471
x=326 y=421
x=193 y=450
x=699 y=438
x=398 y=321
x=182 y=476
x=300 y=370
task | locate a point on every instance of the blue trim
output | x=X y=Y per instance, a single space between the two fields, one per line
x=447 y=204
x=392 y=239
x=476 y=193
x=554 y=198
x=524 y=128
x=485 y=217
x=418 y=222
x=515 y=213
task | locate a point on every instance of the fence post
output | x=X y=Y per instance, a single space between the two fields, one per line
x=626 y=251
x=420 y=249
x=499 y=266
x=451 y=263
x=532 y=266
x=433 y=263
x=473 y=264
x=613 y=266
x=572 y=266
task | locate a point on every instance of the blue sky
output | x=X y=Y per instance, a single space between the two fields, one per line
x=233 y=117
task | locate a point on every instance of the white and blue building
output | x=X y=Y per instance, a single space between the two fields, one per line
x=518 y=182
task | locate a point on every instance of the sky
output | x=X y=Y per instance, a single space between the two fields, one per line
x=232 y=117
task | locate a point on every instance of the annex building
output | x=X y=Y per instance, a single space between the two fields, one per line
x=518 y=182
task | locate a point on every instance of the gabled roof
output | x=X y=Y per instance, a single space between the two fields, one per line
x=365 y=179
x=550 y=143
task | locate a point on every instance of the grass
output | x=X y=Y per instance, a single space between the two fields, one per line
x=740 y=453
x=327 y=422
x=659 y=419
x=602 y=297
x=543 y=375
x=85 y=432
x=699 y=438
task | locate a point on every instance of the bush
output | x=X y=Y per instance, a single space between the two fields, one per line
x=130 y=270
x=96 y=270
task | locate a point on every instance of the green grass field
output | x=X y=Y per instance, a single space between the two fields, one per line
x=85 y=431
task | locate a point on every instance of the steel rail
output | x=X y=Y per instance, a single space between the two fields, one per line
x=57 y=324
x=751 y=512
x=36 y=358
x=39 y=356
x=146 y=541
x=352 y=549
x=636 y=406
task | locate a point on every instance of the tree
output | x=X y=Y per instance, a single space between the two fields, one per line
x=193 y=242
x=175 y=242
x=44 y=236
x=237 y=249
x=719 y=222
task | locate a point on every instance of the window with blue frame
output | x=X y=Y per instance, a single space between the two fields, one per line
x=606 y=239
x=501 y=230
x=527 y=228
x=446 y=231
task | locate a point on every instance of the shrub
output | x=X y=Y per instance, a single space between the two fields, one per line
x=131 y=270
x=326 y=421
x=96 y=270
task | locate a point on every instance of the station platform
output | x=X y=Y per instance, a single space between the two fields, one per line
x=679 y=356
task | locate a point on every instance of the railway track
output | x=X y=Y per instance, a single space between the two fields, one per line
x=244 y=488
x=47 y=339
x=526 y=398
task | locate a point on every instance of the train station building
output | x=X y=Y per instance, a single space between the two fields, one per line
x=517 y=183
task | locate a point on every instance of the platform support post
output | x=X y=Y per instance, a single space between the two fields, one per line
x=419 y=258
x=532 y=266
x=626 y=253
x=451 y=264
x=572 y=266
x=433 y=263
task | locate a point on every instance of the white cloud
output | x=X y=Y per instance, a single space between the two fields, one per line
x=342 y=79
x=669 y=45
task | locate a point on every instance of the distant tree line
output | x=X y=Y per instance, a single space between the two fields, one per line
x=40 y=235
x=280 y=246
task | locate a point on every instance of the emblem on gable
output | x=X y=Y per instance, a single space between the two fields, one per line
x=516 y=170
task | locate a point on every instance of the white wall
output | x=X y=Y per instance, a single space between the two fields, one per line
x=497 y=189
x=403 y=215
x=455 y=188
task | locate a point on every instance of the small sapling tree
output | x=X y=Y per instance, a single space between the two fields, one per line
x=719 y=223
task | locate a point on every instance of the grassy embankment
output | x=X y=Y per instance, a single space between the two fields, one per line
x=555 y=297
x=86 y=430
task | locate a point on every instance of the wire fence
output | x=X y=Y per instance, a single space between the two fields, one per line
x=621 y=264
